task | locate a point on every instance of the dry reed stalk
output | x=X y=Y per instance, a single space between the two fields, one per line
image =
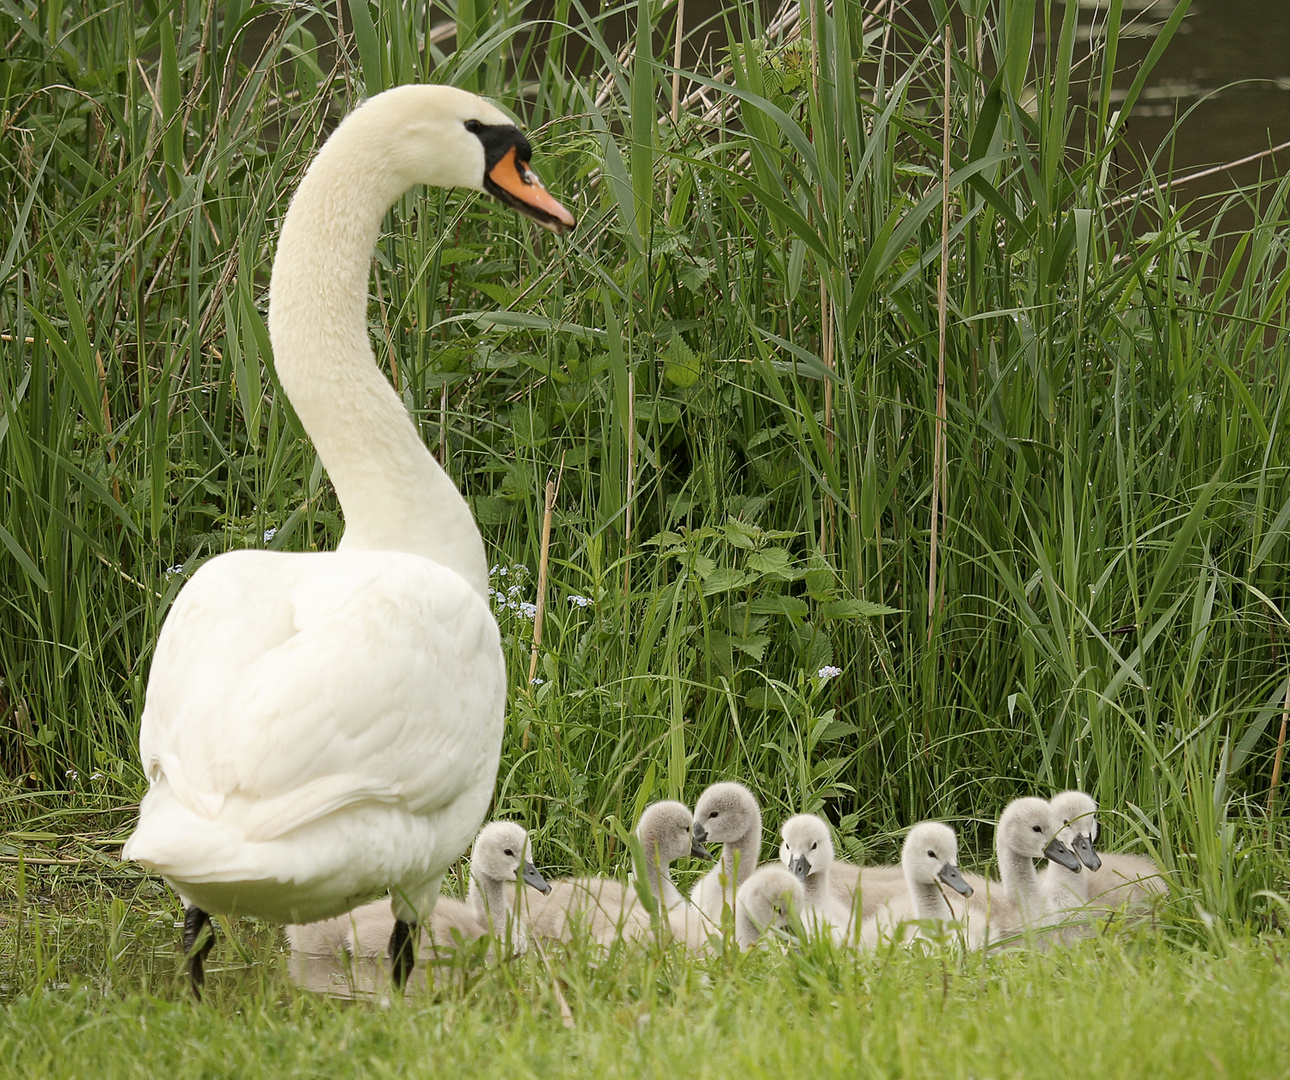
x=942 y=296
x=539 y=615
x=631 y=478
x=1281 y=752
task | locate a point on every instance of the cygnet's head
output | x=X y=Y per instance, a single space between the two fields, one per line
x=770 y=899
x=725 y=812
x=444 y=137
x=1078 y=815
x=665 y=833
x=1029 y=827
x=807 y=848
x=931 y=855
x=502 y=853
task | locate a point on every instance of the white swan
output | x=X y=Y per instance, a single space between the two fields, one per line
x=807 y=851
x=322 y=727
x=726 y=813
x=770 y=898
x=1067 y=890
x=928 y=861
x=501 y=854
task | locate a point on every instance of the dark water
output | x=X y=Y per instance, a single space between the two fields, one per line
x=1226 y=73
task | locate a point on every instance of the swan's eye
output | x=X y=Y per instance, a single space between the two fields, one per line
x=814 y=845
x=1065 y=821
x=931 y=854
x=1036 y=828
x=474 y=126
x=712 y=815
x=509 y=853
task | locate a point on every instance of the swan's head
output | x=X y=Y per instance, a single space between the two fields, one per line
x=444 y=137
x=502 y=853
x=664 y=832
x=1029 y=827
x=1078 y=814
x=770 y=899
x=807 y=848
x=725 y=812
x=931 y=855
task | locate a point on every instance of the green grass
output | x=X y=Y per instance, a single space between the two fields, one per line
x=106 y=995
x=1110 y=601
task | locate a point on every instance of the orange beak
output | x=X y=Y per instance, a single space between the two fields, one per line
x=518 y=181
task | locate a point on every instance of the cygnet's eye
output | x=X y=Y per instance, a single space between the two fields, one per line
x=474 y=127
x=509 y=853
x=712 y=815
x=814 y=845
x=1066 y=821
x=931 y=854
x=1036 y=828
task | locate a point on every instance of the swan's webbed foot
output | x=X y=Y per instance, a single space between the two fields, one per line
x=196 y=920
x=402 y=952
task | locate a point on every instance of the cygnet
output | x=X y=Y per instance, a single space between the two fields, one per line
x=726 y=814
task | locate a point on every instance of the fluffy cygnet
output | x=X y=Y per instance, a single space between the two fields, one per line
x=771 y=898
x=1111 y=880
x=500 y=855
x=608 y=909
x=727 y=814
x=928 y=861
x=1027 y=831
x=807 y=851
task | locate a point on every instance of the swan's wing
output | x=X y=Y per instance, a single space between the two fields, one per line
x=286 y=687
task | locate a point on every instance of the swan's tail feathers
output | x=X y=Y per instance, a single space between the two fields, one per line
x=177 y=838
x=176 y=842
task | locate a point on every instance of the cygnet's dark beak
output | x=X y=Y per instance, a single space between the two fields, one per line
x=698 y=850
x=1083 y=846
x=700 y=833
x=532 y=877
x=949 y=873
x=1059 y=853
x=800 y=867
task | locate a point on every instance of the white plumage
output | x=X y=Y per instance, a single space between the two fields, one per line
x=321 y=727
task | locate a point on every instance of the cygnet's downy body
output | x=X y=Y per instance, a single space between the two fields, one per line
x=726 y=814
x=500 y=856
x=807 y=851
x=770 y=899
x=929 y=864
x=1065 y=889
x=606 y=909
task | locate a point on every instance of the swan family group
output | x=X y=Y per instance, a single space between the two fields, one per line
x=325 y=727
x=808 y=891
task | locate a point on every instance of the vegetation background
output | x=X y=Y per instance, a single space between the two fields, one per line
x=1011 y=461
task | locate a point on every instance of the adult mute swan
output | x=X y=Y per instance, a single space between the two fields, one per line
x=322 y=727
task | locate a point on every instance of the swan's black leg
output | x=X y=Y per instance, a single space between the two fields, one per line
x=195 y=920
x=402 y=952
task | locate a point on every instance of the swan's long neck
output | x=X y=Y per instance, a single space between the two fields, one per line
x=394 y=494
x=1021 y=883
x=657 y=873
x=487 y=899
x=747 y=847
x=928 y=899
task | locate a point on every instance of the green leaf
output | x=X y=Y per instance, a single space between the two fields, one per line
x=856 y=609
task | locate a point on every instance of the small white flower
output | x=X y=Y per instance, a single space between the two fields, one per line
x=828 y=672
x=269 y=534
x=515 y=590
x=528 y=610
x=580 y=601
x=502 y=571
x=96 y=776
x=171 y=571
x=72 y=775
x=492 y=570
x=537 y=680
